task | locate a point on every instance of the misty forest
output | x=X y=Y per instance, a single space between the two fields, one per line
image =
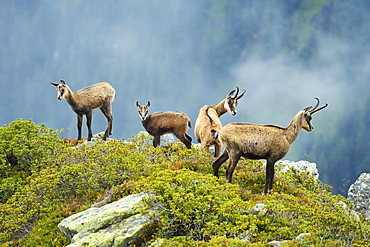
x=182 y=55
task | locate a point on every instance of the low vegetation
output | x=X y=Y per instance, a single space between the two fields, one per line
x=45 y=178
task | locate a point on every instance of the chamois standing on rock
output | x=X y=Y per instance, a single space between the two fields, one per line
x=208 y=122
x=84 y=101
x=253 y=141
x=160 y=123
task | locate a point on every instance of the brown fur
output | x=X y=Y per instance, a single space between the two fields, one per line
x=84 y=101
x=208 y=122
x=253 y=141
x=160 y=123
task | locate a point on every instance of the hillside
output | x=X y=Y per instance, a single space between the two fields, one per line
x=185 y=54
x=45 y=179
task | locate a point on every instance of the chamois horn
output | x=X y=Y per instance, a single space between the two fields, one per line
x=313 y=110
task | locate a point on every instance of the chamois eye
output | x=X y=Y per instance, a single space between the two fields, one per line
x=62 y=90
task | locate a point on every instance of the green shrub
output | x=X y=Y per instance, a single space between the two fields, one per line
x=25 y=148
x=50 y=180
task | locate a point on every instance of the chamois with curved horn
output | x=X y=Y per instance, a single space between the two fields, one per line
x=84 y=101
x=160 y=123
x=208 y=122
x=253 y=141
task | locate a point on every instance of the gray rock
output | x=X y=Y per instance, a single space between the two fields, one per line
x=260 y=207
x=359 y=193
x=301 y=237
x=300 y=166
x=116 y=224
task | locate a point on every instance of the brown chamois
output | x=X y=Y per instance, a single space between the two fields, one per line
x=160 y=123
x=84 y=101
x=208 y=122
x=254 y=141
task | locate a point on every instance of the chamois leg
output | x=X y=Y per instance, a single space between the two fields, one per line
x=185 y=138
x=188 y=137
x=220 y=160
x=234 y=158
x=107 y=113
x=157 y=140
x=88 y=123
x=218 y=149
x=269 y=176
x=79 y=125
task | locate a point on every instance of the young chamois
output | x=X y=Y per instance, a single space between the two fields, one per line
x=160 y=123
x=208 y=122
x=84 y=101
x=253 y=141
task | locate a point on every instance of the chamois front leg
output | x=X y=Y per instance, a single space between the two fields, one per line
x=218 y=149
x=156 y=141
x=220 y=160
x=88 y=123
x=79 y=125
x=269 y=176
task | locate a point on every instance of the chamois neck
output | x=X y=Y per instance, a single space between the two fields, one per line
x=70 y=97
x=220 y=108
x=294 y=128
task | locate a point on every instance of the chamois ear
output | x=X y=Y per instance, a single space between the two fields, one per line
x=137 y=104
x=63 y=82
x=55 y=84
x=148 y=103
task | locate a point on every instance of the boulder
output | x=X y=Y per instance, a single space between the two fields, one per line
x=359 y=193
x=116 y=224
x=300 y=166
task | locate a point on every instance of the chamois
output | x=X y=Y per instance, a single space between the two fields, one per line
x=84 y=101
x=253 y=141
x=208 y=122
x=160 y=123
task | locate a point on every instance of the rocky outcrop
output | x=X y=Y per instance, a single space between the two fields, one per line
x=359 y=193
x=119 y=223
x=299 y=166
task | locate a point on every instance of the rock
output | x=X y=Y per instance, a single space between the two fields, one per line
x=116 y=224
x=300 y=166
x=359 y=193
x=302 y=237
x=260 y=207
x=164 y=140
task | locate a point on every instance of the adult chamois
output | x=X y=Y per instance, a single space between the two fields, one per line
x=208 y=122
x=253 y=141
x=84 y=101
x=160 y=123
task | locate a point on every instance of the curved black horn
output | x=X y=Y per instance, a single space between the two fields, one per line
x=317 y=104
x=241 y=94
x=312 y=112
x=237 y=91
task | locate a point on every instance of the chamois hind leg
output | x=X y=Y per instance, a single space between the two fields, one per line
x=184 y=138
x=220 y=160
x=270 y=172
x=88 y=123
x=234 y=158
x=79 y=126
x=108 y=114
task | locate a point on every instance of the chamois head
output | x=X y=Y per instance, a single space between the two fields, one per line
x=61 y=89
x=307 y=115
x=231 y=101
x=143 y=110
